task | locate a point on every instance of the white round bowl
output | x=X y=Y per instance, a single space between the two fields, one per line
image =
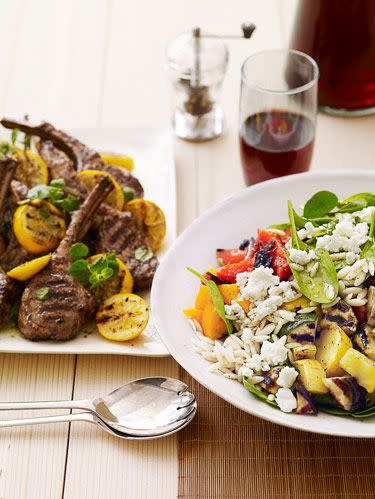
x=226 y=226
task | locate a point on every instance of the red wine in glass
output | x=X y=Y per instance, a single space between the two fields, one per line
x=275 y=143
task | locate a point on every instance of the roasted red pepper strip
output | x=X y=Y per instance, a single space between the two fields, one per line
x=229 y=272
x=224 y=257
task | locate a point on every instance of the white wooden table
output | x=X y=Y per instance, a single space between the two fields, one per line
x=101 y=63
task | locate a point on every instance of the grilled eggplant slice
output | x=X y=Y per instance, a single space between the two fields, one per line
x=304 y=352
x=270 y=378
x=364 y=339
x=371 y=306
x=305 y=403
x=341 y=314
x=347 y=393
x=302 y=329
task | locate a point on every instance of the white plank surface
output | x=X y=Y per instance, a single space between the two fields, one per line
x=88 y=63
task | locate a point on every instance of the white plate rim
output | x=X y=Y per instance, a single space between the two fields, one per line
x=279 y=417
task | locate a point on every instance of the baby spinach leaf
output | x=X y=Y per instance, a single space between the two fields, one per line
x=363 y=200
x=296 y=241
x=368 y=250
x=326 y=404
x=313 y=287
x=299 y=321
x=320 y=204
x=279 y=226
x=217 y=299
x=258 y=392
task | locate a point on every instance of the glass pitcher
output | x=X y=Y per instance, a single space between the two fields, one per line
x=340 y=36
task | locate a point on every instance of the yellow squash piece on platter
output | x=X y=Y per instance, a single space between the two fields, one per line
x=31 y=170
x=361 y=367
x=122 y=317
x=150 y=218
x=27 y=270
x=117 y=160
x=90 y=178
x=38 y=226
x=301 y=302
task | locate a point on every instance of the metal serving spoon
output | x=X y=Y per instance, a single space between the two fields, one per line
x=144 y=408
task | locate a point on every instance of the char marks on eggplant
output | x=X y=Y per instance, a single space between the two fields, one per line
x=68 y=304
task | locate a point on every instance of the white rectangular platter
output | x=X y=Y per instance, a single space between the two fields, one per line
x=154 y=166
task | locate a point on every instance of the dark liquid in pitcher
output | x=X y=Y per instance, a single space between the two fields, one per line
x=340 y=36
x=275 y=143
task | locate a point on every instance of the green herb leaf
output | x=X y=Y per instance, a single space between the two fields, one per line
x=42 y=293
x=14 y=135
x=129 y=193
x=258 y=392
x=58 y=182
x=320 y=204
x=78 y=251
x=217 y=299
x=44 y=213
x=143 y=254
x=79 y=270
x=27 y=141
x=5 y=148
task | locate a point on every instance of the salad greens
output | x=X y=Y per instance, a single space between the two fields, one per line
x=258 y=392
x=320 y=204
x=326 y=404
x=368 y=250
x=217 y=299
x=314 y=288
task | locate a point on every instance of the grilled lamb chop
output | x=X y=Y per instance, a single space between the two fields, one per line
x=9 y=290
x=118 y=232
x=68 y=304
x=83 y=157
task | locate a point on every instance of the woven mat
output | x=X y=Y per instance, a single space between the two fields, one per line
x=227 y=453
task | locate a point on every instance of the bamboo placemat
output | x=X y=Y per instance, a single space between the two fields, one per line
x=226 y=453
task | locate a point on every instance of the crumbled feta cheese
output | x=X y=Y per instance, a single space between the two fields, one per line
x=274 y=353
x=308 y=231
x=346 y=236
x=257 y=283
x=365 y=214
x=301 y=257
x=265 y=308
x=286 y=400
x=285 y=290
x=287 y=377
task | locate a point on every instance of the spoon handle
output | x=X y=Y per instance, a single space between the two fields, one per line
x=81 y=416
x=59 y=404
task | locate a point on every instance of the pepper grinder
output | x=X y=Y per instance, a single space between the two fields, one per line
x=197 y=63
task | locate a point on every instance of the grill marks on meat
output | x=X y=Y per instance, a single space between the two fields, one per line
x=119 y=234
x=68 y=304
x=9 y=290
x=125 y=179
